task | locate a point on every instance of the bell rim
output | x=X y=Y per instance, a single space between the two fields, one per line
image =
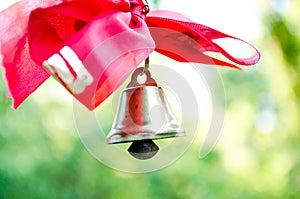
x=117 y=138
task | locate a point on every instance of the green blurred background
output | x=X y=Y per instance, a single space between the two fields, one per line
x=257 y=155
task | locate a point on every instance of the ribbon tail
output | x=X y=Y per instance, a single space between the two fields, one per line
x=186 y=41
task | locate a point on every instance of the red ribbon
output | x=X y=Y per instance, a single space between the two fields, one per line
x=107 y=39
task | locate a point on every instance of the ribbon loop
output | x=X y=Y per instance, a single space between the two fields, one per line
x=196 y=40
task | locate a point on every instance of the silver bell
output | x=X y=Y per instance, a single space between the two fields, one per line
x=143 y=115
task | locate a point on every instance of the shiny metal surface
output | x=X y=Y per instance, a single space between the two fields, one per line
x=143 y=114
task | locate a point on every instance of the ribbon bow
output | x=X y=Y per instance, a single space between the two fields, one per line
x=91 y=46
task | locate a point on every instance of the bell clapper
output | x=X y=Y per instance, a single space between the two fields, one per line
x=143 y=149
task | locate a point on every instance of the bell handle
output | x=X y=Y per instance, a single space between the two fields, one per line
x=134 y=78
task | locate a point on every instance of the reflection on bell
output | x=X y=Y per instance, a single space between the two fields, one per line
x=143 y=114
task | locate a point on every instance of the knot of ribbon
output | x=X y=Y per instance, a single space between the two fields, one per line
x=91 y=46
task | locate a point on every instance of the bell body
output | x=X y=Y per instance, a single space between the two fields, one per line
x=143 y=113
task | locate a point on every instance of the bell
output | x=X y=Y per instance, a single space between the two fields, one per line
x=143 y=115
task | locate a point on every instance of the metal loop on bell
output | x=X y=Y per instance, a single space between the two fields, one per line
x=146 y=8
x=140 y=72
